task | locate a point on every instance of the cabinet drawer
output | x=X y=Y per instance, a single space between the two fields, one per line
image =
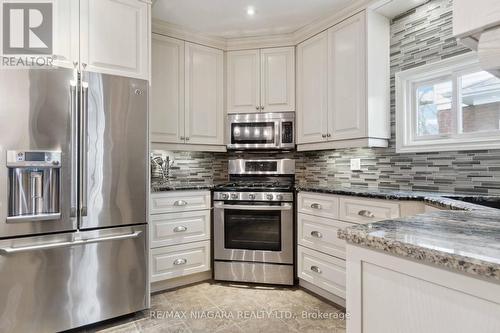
x=179 y=201
x=320 y=234
x=318 y=204
x=322 y=270
x=367 y=210
x=179 y=228
x=179 y=260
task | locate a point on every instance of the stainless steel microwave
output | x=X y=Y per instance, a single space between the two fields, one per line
x=261 y=131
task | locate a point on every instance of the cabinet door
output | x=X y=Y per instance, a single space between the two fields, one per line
x=66 y=33
x=243 y=81
x=471 y=17
x=167 y=90
x=204 y=95
x=312 y=89
x=347 y=84
x=277 y=83
x=115 y=37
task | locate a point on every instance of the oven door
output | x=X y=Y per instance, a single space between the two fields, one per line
x=257 y=232
x=254 y=134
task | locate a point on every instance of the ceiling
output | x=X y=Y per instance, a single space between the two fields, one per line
x=229 y=18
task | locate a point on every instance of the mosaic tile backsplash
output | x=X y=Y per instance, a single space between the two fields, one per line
x=420 y=36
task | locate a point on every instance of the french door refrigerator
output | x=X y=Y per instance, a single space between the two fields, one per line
x=73 y=198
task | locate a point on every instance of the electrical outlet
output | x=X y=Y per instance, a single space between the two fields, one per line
x=355 y=164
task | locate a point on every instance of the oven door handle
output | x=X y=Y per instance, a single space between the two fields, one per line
x=285 y=206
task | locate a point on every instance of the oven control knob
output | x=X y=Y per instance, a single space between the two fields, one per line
x=234 y=195
x=270 y=197
x=224 y=196
x=251 y=196
x=279 y=197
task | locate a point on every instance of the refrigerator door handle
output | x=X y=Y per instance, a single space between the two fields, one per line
x=38 y=247
x=83 y=148
x=74 y=148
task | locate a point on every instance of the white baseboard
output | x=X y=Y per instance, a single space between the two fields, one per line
x=180 y=281
x=323 y=293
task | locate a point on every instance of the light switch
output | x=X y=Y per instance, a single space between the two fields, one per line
x=355 y=164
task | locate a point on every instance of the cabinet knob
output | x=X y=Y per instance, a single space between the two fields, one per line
x=366 y=213
x=187 y=138
x=323 y=136
x=316 y=234
x=182 y=138
x=315 y=206
x=257 y=108
x=180 y=261
x=316 y=269
x=328 y=135
x=180 y=203
x=180 y=229
x=75 y=64
x=262 y=108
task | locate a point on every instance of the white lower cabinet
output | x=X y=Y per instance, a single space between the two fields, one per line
x=388 y=293
x=179 y=260
x=320 y=234
x=321 y=254
x=324 y=271
x=180 y=237
x=179 y=228
x=179 y=201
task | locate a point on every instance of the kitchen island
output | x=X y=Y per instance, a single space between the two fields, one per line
x=433 y=272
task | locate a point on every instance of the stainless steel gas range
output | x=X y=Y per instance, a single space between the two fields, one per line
x=254 y=223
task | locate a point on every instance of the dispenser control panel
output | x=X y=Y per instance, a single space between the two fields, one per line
x=32 y=158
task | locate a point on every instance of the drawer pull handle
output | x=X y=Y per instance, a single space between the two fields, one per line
x=180 y=203
x=180 y=229
x=180 y=261
x=366 y=213
x=315 y=206
x=316 y=234
x=316 y=269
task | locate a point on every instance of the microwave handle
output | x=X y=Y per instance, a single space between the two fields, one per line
x=285 y=206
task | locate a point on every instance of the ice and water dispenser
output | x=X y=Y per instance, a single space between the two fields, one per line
x=34 y=185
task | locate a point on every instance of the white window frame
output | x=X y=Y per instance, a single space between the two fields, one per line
x=406 y=82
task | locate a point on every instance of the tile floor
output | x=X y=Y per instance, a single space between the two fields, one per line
x=226 y=308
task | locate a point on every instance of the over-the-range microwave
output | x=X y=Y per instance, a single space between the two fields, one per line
x=250 y=131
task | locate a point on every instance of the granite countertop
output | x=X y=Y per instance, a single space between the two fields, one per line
x=465 y=238
x=163 y=186
x=442 y=200
x=466 y=241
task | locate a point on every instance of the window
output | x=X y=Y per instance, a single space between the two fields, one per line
x=449 y=105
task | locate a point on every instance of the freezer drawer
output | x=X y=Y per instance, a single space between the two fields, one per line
x=63 y=281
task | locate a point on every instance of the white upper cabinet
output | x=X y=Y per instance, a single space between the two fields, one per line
x=312 y=89
x=346 y=75
x=471 y=17
x=114 y=37
x=261 y=80
x=104 y=36
x=66 y=33
x=187 y=97
x=204 y=117
x=167 y=90
x=277 y=79
x=343 y=85
x=243 y=81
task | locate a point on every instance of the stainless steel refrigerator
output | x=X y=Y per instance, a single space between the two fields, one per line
x=73 y=198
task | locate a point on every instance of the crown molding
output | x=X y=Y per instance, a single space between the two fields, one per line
x=330 y=20
x=254 y=42
x=179 y=32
